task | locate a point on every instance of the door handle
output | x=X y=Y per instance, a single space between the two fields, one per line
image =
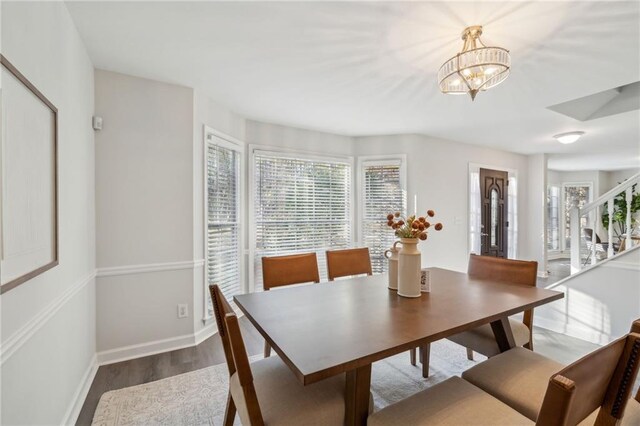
x=482 y=234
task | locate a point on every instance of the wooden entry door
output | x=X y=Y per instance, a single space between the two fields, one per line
x=494 y=198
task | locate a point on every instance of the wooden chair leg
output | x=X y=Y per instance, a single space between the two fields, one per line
x=412 y=354
x=267 y=350
x=470 y=354
x=425 y=354
x=229 y=412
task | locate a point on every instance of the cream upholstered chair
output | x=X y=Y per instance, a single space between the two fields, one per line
x=481 y=339
x=266 y=391
x=602 y=379
x=348 y=262
x=520 y=378
x=279 y=271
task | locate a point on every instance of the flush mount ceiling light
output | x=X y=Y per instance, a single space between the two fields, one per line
x=569 y=137
x=476 y=68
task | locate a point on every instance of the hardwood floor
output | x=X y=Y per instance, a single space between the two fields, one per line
x=154 y=367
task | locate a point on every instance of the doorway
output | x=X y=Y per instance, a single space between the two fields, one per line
x=510 y=213
x=493 y=215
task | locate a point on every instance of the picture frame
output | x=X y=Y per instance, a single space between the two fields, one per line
x=28 y=180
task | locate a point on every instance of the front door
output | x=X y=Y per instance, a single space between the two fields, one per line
x=494 y=193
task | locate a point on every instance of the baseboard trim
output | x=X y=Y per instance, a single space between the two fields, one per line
x=71 y=416
x=31 y=327
x=205 y=332
x=126 y=353
x=150 y=267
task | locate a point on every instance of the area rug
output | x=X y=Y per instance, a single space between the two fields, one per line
x=199 y=397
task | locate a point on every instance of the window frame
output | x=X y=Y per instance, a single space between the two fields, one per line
x=563 y=239
x=214 y=137
x=559 y=229
x=288 y=153
x=376 y=160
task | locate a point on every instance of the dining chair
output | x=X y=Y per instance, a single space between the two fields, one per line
x=266 y=391
x=481 y=339
x=600 y=382
x=278 y=271
x=520 y=379
x=348 y=262
x=601 y=248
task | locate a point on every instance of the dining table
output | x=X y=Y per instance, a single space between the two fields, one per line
x=342 y=327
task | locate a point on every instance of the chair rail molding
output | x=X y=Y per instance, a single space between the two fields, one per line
x=22 y=335
x=149 y=267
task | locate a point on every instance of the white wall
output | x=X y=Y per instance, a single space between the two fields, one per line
x=438 y=172
x=599 y=304
x=48 y=323
x=144 y=203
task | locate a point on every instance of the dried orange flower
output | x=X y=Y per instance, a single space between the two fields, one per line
x=431 y=213
x=438 y=226
x=423 y=236
x=421 y=219
x=397 y=214
x=389 y=217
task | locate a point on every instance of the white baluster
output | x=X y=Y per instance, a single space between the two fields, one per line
x=594 y=238
x=629 y=199
x=610 y=237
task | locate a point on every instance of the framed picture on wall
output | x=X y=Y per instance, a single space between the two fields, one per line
x=28 y=180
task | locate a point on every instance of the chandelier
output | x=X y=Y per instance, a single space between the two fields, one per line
x=476 y=68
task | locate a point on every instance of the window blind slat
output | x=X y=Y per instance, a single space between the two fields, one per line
x=301 y=205
x=223 y=227
x=382 y=194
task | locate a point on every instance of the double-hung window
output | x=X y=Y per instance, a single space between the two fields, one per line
x=383 y=192
x=553 y=218
x=301 y=204
x=223 y=238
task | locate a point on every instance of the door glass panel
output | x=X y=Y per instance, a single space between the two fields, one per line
x=574 y=196
x=494 y=216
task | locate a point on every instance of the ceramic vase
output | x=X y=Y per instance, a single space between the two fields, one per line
x=409 y=268
x=392 y=257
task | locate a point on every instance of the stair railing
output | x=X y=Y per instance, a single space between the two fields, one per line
x=591 y=215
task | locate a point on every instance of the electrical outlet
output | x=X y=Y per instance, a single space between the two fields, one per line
x=183 y=310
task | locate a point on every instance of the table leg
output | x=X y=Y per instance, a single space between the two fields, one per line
x=357 y=396
x=504 y=336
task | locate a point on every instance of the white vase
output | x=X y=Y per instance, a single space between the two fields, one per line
x=409 y=268
x=392 y=256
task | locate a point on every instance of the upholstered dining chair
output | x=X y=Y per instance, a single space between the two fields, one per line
x=595 y=387
x=482 y=339
x=520 y=377
x=348 y=262
x=266 y=391
x=278 y=271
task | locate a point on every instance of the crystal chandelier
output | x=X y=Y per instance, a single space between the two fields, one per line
x=476 y=68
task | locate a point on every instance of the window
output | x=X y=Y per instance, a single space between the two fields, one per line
x=553 y=218
x=382 y=193
x=301 y=204
x=222 y=216
x=575 y=195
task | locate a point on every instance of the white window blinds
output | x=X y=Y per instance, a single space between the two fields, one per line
x=223 y=219
x=382 y=194
x=301 y=205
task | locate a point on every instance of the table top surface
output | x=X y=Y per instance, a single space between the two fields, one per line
x=320 y=330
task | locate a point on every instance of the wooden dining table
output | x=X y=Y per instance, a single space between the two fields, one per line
x=321 y=330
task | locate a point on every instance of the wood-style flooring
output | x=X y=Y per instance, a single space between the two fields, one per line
x=154 y=367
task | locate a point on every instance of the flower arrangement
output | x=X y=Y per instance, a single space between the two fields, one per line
x=412 y=226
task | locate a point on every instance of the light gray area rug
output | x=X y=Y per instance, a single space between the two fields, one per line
x=199 y=397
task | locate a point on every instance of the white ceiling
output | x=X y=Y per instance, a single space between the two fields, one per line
x=370 y=68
